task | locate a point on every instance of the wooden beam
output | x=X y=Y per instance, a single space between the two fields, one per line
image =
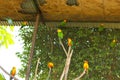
x=53 y=24
x=85 y=24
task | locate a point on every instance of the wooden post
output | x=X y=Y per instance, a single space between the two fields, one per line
x=32 y=48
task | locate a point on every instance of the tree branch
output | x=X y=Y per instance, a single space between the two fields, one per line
x=68 y=63
x=62 y=75
x=81 y=75
x=69 y=49
x=32 y=47
x=36 y=68
x=63 y=47
x=49 y=74
x=8 y=73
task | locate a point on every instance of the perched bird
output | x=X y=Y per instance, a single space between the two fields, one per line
x=70 y=43
x=13 y=72
x=24 y=24
x=101 y=28
x=60 y=34
x=113 y=43
x=63 y=23
x=50 y=65
x=86 y=66
x=9 y=20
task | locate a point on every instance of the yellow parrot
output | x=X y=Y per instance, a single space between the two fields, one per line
x=50 y=65
x=70 y=43
x=13 y=72
x=86 y=66
x=24 y=24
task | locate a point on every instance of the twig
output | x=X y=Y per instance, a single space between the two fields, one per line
x=8 y=73
x=64 y=70
x=36 y=68
x=62 y=75
x=68 y=63
x=63 y=47
x=49 y=74
x=81 y=75
x=71 y=53
x=69 y=49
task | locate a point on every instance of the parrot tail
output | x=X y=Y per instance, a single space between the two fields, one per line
x=11 y=78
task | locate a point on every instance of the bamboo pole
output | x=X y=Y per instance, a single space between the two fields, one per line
x=32 y=48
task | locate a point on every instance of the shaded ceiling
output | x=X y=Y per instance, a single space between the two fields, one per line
x=57 y=10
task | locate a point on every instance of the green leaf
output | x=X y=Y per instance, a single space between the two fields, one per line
x=6 y=37
x=2 y=77
x=11 y=28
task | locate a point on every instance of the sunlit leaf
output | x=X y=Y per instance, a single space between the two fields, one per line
x=6 y=37
x=2 y=77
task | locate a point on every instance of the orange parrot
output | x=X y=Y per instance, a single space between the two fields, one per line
x=24 y=24
x=86 y=66
x=70 y=43
x=50 y=65
x=13 y=72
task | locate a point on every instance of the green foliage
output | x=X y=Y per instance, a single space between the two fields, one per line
x=6 y=38
x=2 y=77
x=92 y=44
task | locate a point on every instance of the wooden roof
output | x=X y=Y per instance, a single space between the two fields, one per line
x=57 y=10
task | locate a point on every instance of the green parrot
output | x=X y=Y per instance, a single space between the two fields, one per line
x=60 y=33
x=101 y=28
x=113 y=43
x=63 y=23
x=24 y=24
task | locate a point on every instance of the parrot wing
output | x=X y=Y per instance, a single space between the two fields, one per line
x=101 y=28
x=112 y=44
x=62 y=24
x=10 y=74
